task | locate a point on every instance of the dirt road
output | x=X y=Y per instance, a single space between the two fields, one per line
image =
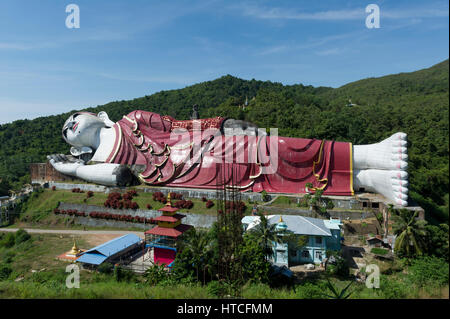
x=74 y=231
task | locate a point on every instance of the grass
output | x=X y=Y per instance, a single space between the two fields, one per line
x=48 y=200
x=379 y=251
x=40 y=252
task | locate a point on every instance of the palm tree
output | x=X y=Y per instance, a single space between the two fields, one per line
x=410 y=233
x=336 y=294
x=198 y=244
x=266 y=234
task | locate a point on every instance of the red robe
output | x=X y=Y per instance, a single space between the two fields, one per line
x=198 y=160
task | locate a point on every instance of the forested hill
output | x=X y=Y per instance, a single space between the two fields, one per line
x=415 y=103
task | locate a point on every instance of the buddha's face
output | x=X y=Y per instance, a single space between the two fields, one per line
x=81 y=129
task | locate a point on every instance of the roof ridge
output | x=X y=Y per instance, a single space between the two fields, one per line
x=314 y=225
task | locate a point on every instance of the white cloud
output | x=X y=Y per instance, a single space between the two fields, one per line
x=335 y=15
x=333 y=51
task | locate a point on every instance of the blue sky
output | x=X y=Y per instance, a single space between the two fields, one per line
x=127 y=49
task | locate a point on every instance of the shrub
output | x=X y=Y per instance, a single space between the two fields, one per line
x=134 y=205
x=340 y=268
x=89 y=194
x=159 y=197
x=105 y=268
x=53 y=188
x=265 y=197
x=310 y=291
x=209 y=204
x=216 y=289
x=156 y=274
x=428 y=270
x=8 y=240
x=5 y=271
x=132 y=193
x=204 y=199
x=392 y=289
x=21 y=236
x=149 y=206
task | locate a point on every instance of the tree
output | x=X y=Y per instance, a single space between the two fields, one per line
x=410 y=233
x=197 y=245
x=318 y=203
x=4 y=187
x=255 y=267
x=265 y=234
x=437 y=240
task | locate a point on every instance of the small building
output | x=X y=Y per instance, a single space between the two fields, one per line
x=111 y=251
x=375 y=241
x=319 y=236
x=163 y=238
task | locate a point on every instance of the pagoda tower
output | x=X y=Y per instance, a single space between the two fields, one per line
x=163 y=238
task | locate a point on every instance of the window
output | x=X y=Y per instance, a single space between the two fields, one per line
x=319 y=255
x=305 y=254
x=319 y=240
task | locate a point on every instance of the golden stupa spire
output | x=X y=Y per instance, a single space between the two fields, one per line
x=75 y=250
x=168 y=200
x=281 y=219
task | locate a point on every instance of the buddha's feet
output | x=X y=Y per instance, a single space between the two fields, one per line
x=389 y=154
x=381 y=168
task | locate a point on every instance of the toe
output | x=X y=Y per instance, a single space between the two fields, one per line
x=399 y=150
x=401 y=196
x=399 y=182
x=399 y=157
x=400 y=136
x=397 y=143
x=401 y=165
x=400 y=189
x=401 y=202
x=399 y=175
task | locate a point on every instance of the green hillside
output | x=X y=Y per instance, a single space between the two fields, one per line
x=415 y=103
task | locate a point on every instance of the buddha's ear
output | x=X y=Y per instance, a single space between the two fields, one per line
x=105 y=118
x=77 y=151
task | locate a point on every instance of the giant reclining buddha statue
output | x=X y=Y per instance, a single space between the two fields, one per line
x=162 y=151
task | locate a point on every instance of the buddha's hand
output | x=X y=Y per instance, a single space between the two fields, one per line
x=65 y=164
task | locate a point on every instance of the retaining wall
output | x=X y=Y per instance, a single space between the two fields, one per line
x=196 y=220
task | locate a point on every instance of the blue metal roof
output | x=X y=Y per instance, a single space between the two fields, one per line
x=99 y=254
x=303 y=225
x=92 y=258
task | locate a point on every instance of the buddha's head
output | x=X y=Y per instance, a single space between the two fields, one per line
x=82 y=129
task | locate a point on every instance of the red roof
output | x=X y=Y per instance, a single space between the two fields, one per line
x=171 y=219
x=169 y=209
x=170 y=232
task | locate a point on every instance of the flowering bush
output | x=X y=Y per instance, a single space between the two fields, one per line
x=204 y=199
x=125 y=218
x=117 y=201
x=89 y=194
x=159 y=197
x=53 y=188
x=186 y=204
x=77 y=190
x=209 y=204
x=70 y=212
x=176 y=196
x=149 y=206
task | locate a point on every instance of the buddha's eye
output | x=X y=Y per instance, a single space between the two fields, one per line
x=65 y=132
